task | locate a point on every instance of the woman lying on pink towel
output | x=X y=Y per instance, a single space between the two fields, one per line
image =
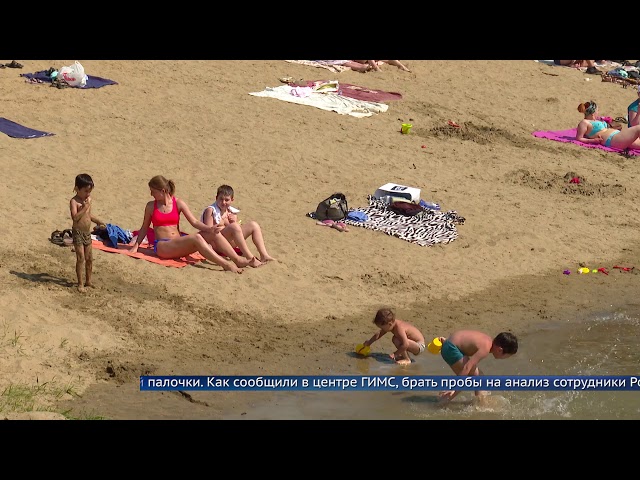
x=598 y=132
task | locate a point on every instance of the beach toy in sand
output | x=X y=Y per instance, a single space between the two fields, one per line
x=435 y=346
x=362 y=350
x=406 y=127
x=583 y=270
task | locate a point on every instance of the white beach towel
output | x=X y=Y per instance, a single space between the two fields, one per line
x=325 y=101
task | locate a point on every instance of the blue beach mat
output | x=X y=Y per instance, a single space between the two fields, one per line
x=16 y=130
x=92 y=82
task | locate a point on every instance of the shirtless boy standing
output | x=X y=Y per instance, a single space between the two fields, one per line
x=406 y=337
x=464 y=349
x=80 y=208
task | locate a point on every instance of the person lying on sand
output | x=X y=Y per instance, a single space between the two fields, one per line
x=596 y=132
x=375 y=64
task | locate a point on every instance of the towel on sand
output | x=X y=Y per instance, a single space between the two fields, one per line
x=569 y=136
x=355 y=91
x=427 y=228
x=325 y=101
x=145 y=252
x=16 y=130
x=92 y=82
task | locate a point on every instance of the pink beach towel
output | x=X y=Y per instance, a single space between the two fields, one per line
x=569 y=136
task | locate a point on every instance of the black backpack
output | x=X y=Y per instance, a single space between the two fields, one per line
x=333 y=208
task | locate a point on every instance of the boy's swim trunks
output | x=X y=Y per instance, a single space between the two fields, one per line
x=450 y=353
x=80 y=237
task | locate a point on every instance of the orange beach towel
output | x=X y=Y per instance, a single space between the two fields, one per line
x=146 y=253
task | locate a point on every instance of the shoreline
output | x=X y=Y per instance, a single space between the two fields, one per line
x=504 y=305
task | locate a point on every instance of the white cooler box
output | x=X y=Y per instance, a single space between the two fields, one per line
x=411 y=194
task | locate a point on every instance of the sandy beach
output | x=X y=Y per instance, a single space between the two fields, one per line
x=524 y=223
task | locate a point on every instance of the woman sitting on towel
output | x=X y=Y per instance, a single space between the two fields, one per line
x=164 y=213
x=597 y=132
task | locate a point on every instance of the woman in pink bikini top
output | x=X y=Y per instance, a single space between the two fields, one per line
x=168 y=242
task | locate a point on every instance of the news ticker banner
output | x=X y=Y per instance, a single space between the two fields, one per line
x=389 y=383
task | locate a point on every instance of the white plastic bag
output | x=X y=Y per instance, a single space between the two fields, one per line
x=74 y=75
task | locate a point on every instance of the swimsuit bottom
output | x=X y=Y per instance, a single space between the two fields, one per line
x=450 y=353
x=155 y=244
x=80 y=237
x=608 y=142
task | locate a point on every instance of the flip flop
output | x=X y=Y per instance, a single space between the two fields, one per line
x=13 y=64
x=325 y=223
x=340 y=226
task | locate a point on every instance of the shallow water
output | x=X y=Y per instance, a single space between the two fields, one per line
x=602 y=344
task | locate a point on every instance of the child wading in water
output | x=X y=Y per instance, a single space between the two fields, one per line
x=464 y=349
x=80 y=207
x=406 y=337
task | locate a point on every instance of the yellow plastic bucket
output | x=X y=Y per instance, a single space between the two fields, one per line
x=435 y=346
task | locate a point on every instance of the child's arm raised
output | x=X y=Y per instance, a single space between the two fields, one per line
x=79 y=210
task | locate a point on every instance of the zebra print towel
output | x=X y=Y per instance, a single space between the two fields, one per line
x=426 y=228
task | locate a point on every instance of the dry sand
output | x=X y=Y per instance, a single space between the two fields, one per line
x=305 y=313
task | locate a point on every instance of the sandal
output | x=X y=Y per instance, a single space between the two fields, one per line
x=56 y=237
x=67 y=237
x=340 y=226
x=13 y=64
